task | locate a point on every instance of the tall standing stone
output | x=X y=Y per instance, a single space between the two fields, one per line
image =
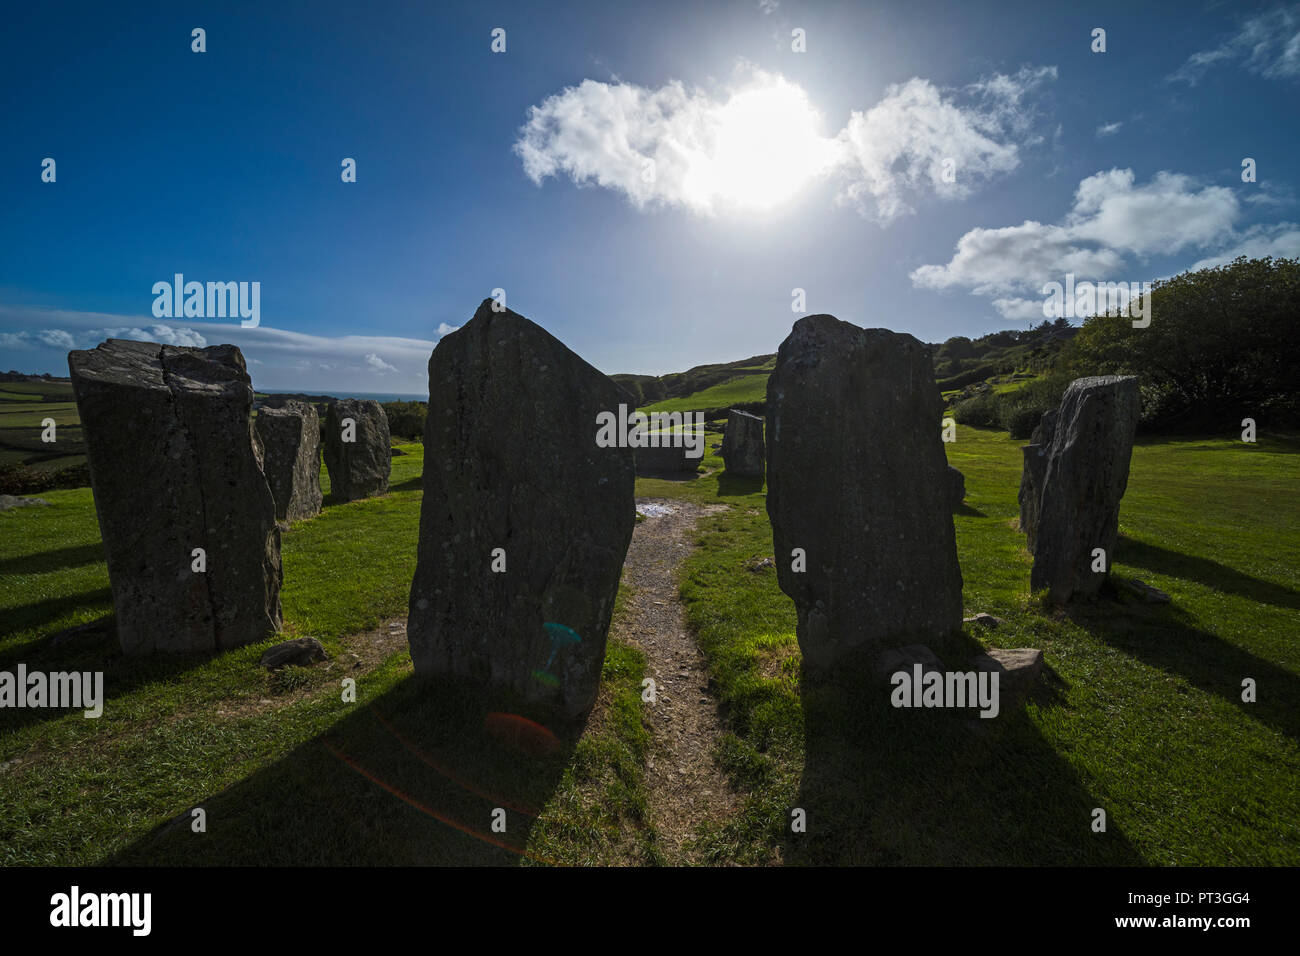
x=1084 y=479
x=858 y=483
x=175 y=465
x=1032 y=474
x=358 y=468
x=742 y=445
x=290 y=436
x=512 y=463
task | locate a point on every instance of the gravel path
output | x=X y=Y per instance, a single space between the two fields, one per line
x=686 y=785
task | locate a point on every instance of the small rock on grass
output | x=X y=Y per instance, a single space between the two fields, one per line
x=300 y=651
x=984 y=620
x=13 y=501
x=1018 y=668
x=1145 y=592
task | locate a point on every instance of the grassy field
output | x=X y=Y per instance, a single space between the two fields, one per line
x=281 y=765
x=1139 y=712
x=23 y=407
x=751 y=386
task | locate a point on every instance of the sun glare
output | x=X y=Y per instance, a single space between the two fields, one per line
x=766 y=147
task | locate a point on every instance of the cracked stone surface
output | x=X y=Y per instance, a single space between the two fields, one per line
x=175 y=465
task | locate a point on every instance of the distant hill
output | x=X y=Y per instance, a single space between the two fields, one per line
x=650 y=389
x=958 y=362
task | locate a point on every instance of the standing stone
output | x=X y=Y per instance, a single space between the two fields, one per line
x=858 y=480
x=653 y=462
x=956 y=488
x=357 y=468
x=742 y=445
x=513 y=464
x=290 y=435
x=1033 y=471
x=175 y=465
x=1084 y=479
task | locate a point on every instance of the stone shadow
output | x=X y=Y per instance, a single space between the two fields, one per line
x=898 y=786
x=729 y=485
x=1162 y=637
x=89 y=647
x=59 y=559
x=1212 y=574
x=411 y=778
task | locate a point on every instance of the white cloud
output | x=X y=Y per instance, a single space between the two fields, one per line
x=1280 y=241
x=760 y=142
x=376 y=363
x=1267 y=45
x=768 y=6
x=284 y=359
x=56 y=338
x=1168 y=214
x=1108 y=129
x=445 y=329
x=1111 y=219
x=158 y=332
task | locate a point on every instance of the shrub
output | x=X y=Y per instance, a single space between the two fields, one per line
x=980 y=410
x=19 y=479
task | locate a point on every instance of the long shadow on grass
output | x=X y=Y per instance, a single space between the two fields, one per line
x=1164 y=638
x=410 y=484
x=410 y=779
x=57 y=560
x=887 y=786
x=89 y=647
x=1212 y=574
x=729 y=485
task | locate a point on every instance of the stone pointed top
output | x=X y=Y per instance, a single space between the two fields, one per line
x=493 y=328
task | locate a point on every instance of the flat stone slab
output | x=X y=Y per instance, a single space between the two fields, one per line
x=13 y=501
x=1017 y=668
x=1146 y=592
x=300 y=651
x=984 y=620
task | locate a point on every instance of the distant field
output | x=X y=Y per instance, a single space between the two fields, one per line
x=23 y=407
x=748 y=387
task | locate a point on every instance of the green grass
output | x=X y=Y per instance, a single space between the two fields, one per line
x=286 y=771
x=80 y=789
x=1140 y=713
x=749 y=387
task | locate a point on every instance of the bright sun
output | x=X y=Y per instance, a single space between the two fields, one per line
x=765 y=148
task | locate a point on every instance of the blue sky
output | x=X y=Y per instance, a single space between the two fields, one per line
x=648 y=181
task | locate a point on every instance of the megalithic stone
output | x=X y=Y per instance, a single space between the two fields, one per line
x=175 y=466
x=526 y=519
x=1033 y=472
x=742 y=445
x=359 y=467
x=1085 y=478
x=290 y=436
x=857 y=481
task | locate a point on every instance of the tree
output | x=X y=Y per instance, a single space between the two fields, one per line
x=1223 y=344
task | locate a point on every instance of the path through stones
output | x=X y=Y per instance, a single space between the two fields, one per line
x=686 y=786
